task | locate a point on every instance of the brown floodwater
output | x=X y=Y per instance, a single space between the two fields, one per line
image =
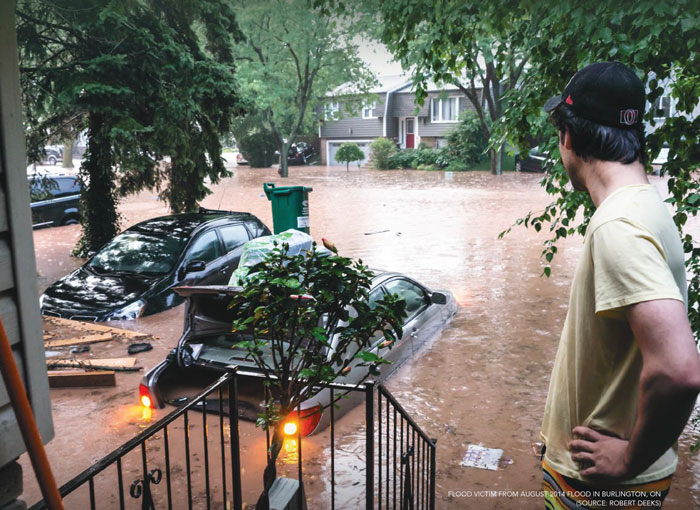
x=482 y=381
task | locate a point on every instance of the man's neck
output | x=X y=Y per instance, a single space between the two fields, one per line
x=604 y=177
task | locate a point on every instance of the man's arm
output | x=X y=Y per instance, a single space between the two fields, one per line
x=668 y=388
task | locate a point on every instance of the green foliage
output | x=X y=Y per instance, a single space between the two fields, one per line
x=146 y=80
x=310 y=322
x=296 y=305
x=467 y=142
x=293 y=56
x=348 y=152
x=256 y=142
x=403 y=158
x=468 y=44
x=381 y=151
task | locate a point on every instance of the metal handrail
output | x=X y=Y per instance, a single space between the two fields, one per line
x=130 y=445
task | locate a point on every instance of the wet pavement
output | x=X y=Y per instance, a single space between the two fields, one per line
x=482 y=381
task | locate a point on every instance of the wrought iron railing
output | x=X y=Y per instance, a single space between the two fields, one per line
x=400 y=458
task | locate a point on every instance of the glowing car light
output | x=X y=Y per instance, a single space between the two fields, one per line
x=146 y=401
x=290 y=428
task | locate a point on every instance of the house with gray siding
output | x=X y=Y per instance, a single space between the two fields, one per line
x=394 y=114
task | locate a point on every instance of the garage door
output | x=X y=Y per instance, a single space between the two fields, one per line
x=334 y=146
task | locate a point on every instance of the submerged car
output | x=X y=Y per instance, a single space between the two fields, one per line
x=535 y=161
x=300 y=153
x=208 y=347
x=54 y=200
x=135 y=273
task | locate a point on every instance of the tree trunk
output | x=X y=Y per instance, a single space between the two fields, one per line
x=284 y=168
x=98 y=203
x=68 y=152
x=496 y=161
x=270 y=473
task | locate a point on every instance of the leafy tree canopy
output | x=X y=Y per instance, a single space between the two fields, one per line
x=293 y=56
x=147 y=78
x=349 y=152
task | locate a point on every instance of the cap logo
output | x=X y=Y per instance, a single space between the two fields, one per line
x=569 y=100
x=629 y=117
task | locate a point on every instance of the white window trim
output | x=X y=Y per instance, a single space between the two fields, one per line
x=329 y=109
x=371 y=106
x=670 y=107
x=440 y=121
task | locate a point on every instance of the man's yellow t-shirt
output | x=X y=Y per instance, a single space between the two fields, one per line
x=631 y=253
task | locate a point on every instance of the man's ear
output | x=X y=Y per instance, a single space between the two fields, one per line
x=565 y=138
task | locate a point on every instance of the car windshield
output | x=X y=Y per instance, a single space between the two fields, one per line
x=138 y=253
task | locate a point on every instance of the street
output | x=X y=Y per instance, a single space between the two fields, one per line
x=483 y=381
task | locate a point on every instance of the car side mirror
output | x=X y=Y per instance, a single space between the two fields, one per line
x=438 y=298
x=192 y=266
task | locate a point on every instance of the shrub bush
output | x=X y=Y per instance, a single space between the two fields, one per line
x=256 y=143
x=403 y=159
x=382 y=150
x=467 y=142
x=348 y=152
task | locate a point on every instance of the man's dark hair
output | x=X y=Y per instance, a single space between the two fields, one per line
x=589 y=139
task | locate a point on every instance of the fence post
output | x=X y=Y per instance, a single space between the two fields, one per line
x=235 y=441
x=369 y=418
x=433 y=464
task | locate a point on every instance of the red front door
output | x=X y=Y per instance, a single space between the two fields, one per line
x=410 y=136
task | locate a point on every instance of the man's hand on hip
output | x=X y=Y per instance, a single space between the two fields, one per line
x=601 y=455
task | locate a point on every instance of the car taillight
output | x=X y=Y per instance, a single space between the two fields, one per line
x=307 y=423
x=145 y=396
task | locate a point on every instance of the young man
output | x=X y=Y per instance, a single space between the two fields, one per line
x=627 y=371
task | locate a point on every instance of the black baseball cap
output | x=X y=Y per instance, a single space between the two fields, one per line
x=606 y=93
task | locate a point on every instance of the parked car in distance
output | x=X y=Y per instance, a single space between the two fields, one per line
x=240 y=159
x=134 y=274
x=54 y=200
x=52 y=154
x=207 y=347
x=300 y=153
x=534 y=162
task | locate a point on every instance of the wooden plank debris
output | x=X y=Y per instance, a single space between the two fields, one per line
x=87 y=339
x=91 y=326
x=91 y=362
x=79 y=378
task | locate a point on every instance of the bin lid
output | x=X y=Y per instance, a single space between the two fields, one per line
x=269 y=188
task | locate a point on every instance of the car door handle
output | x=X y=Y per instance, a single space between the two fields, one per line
x=414 y=333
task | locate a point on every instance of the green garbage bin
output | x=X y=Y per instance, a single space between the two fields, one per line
x=290 y=206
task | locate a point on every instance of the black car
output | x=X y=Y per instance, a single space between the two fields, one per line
x=535 y=161
x=134 y=274
x=52 y=155
x=300 y=153
x=54 y=200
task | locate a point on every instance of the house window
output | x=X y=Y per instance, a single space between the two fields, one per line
x=368 y=111
x=662 y=107
x=330 y=110
x=444 y=110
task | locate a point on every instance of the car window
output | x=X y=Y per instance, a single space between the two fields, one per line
x=374 y=296
x=234 y=236
x=257 y=229
x=413 y=295
x=139 y=253
x=66 y=186
x=205 y=247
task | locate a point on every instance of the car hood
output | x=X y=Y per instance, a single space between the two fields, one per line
x=89 y=295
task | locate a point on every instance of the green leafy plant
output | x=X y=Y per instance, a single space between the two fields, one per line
x=310 y=322
x=467 y=142
x=256 y=143
x=403 y=158
x=381 y=151
x=348 y=152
